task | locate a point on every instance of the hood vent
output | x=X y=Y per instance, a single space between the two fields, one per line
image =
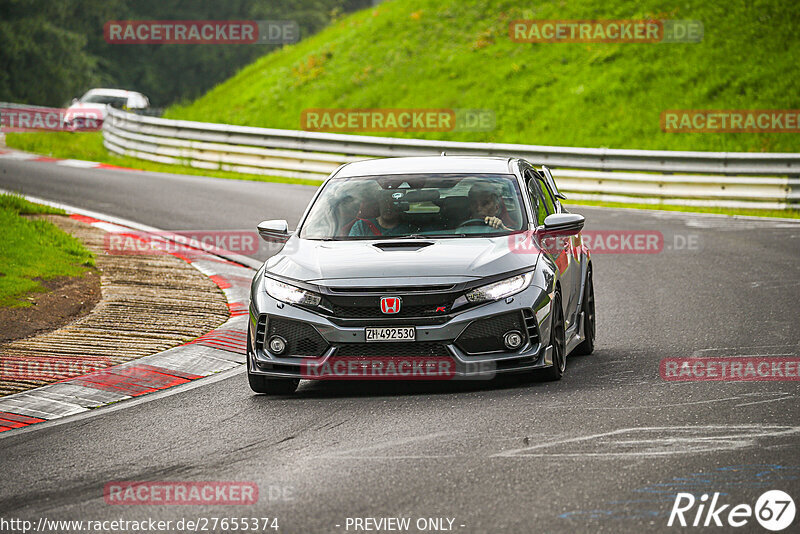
x=408 y=246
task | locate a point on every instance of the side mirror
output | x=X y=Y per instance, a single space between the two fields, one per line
x=563 y=224
x=276 y=231
x=74 y=100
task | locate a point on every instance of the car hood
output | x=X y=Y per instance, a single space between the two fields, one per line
x=340 y=262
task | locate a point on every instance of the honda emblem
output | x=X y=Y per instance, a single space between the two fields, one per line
x=390 y=305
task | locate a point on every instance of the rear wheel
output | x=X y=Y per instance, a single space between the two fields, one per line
x=556 y=371
x=587 y=345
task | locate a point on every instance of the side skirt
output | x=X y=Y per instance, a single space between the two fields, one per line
x=575 y=335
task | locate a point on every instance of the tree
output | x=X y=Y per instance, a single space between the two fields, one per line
x=53 y=50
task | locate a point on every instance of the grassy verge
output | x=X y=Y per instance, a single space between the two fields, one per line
x=33 y=250
x=89 y=147
x=85 y=146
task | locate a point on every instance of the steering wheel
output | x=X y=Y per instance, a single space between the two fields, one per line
x=473 y=222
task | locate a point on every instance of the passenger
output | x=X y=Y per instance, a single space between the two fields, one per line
x=339 y=215
x=389 y=222
x=346 y=213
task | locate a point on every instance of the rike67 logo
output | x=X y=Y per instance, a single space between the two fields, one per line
x=774 y=510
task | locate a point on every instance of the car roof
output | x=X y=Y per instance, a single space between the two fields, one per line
x=426 y=165
x=112 y=92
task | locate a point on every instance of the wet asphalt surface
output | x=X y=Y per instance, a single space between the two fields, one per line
x=604 y=450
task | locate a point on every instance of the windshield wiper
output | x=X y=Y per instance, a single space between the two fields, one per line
x=385 y=237
x=434 y=236
x=391 y=237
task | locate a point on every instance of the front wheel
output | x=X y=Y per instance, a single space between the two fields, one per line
x=272 y=386
x=556 y=371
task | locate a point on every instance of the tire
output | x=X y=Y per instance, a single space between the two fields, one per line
x=272 y=386
x=556 y=371
x=587 y=345
x=266 y=385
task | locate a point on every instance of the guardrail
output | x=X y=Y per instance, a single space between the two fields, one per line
x=725 y=179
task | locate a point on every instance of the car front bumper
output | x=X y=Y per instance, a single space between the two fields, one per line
x=533 y=305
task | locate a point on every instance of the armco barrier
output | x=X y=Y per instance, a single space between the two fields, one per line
x=725 y=179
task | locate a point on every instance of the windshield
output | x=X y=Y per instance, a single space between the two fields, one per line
x=441 y=205
x=114 y=101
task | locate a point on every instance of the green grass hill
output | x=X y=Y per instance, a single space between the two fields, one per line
x=458 y=54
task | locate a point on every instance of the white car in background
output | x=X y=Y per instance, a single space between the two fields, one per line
x=90 y=110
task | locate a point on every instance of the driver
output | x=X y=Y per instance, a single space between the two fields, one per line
x=389 y=222
x=485 y=203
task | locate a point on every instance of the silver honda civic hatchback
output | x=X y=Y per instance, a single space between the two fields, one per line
x=423 y=268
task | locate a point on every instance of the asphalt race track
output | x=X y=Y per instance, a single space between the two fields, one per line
x=603 y=450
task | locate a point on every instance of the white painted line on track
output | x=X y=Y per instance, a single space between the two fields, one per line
x=643 y=442
x=78 y=163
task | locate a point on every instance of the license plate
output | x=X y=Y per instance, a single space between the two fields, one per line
x=391 y=333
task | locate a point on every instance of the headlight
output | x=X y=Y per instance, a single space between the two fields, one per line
x=291 y=294
x=501 y=289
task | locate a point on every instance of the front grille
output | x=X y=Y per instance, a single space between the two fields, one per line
x=389 y=349
x=302 y=338
x=486 y=335
x=374 y=311
x=424 y=302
